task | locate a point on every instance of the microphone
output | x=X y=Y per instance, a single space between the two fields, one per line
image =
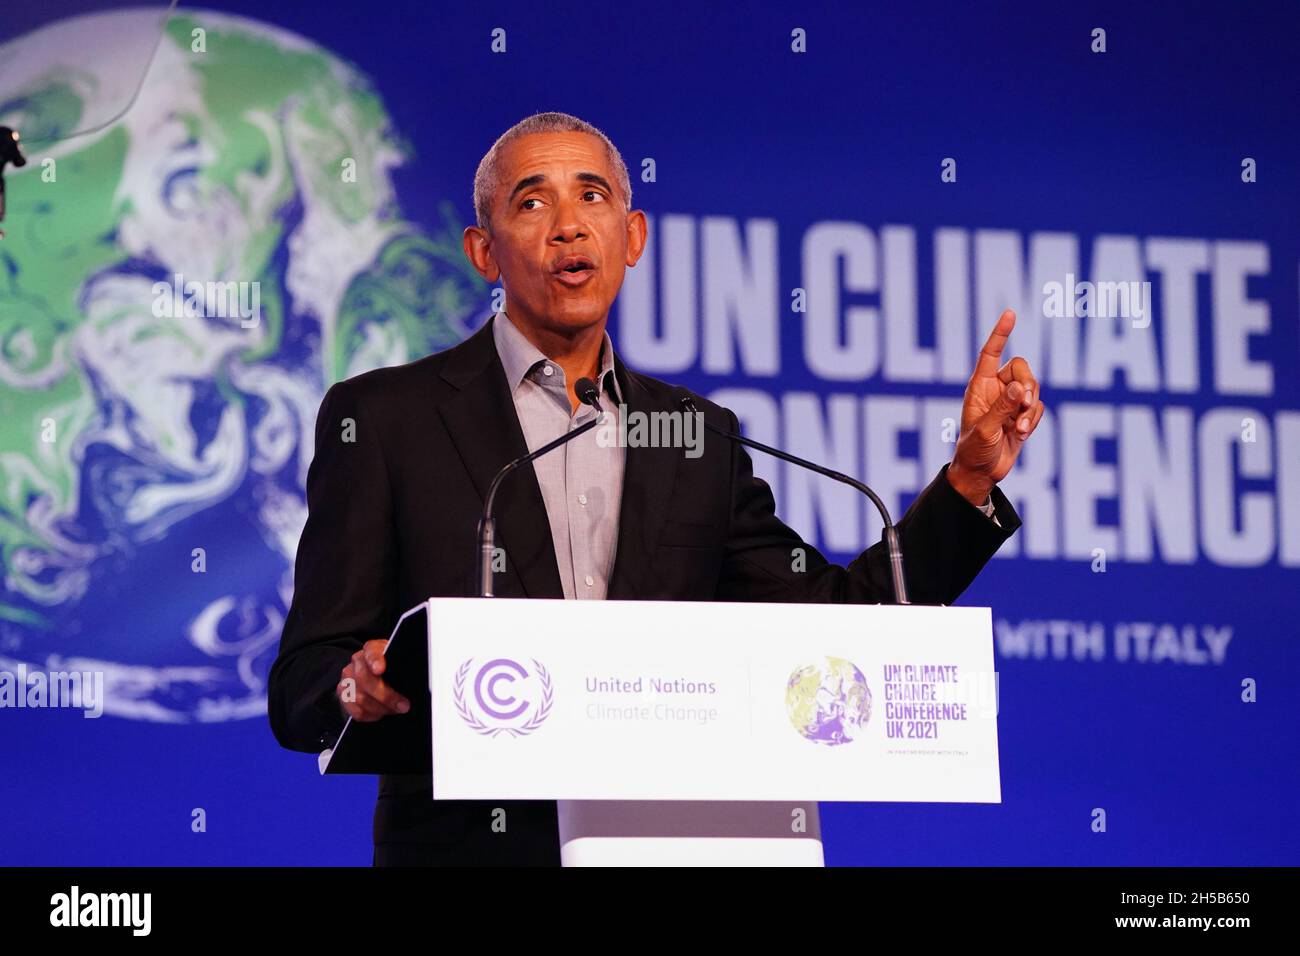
x=588 y=394
x=890 y=536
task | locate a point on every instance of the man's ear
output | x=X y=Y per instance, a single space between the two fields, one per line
x=478 y=250
x=636 y=236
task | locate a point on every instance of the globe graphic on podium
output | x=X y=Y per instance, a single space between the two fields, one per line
x=828 y=703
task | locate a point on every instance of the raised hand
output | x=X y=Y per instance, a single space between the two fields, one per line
x=1000 y=411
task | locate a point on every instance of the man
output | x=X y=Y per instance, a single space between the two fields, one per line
x=404 y=456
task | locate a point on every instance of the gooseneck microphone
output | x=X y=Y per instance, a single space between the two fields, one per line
x=588 y=394
x=890 y=536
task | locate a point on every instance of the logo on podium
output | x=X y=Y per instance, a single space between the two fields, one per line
x=828 y=703
x=503 y=696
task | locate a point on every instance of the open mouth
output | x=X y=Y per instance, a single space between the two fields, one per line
x=574 y=271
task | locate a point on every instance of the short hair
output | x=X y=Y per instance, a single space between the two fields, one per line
x=486 y=179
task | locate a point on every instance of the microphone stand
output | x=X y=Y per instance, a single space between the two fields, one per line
x=890 y=536
x=588 y=394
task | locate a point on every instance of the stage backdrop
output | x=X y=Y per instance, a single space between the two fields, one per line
x=841 y=203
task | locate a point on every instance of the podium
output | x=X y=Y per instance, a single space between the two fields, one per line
x=688 y=732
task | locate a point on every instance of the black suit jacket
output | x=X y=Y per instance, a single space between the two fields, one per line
x=392 y=519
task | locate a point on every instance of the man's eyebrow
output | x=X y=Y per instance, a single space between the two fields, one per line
x=598 y=180
x=528 y=182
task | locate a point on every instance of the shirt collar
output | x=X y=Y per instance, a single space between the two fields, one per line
x=520 y=356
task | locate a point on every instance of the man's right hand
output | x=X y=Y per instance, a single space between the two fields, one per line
x=361 y=691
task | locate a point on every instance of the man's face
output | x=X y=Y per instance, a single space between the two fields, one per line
x=560 y=233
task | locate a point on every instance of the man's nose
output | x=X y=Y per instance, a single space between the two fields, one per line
x=569 y=223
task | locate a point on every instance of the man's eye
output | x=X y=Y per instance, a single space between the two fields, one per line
x=592 y=192
x=524 y=204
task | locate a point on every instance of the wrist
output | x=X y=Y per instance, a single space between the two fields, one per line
x=974 y=488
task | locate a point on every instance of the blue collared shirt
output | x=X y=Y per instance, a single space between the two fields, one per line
x=581 y=482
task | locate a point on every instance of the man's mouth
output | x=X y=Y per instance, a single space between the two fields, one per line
x=574 y=271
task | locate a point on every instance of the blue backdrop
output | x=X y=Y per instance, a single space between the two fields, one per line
x=915 y=171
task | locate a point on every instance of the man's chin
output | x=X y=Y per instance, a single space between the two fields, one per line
x=575 y=316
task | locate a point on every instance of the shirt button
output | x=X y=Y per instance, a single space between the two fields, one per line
x=582 y=499
x=547 y=370
x=590 y=580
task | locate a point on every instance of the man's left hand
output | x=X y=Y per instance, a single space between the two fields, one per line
x=1000 y=410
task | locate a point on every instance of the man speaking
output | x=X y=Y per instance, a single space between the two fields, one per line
x=405 y=455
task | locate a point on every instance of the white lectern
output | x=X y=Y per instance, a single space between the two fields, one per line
x=698 y=732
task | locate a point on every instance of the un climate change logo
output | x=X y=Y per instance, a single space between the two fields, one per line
x=505 y=697
x=830 y=704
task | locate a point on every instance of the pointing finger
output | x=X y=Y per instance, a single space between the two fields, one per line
x=991 y=353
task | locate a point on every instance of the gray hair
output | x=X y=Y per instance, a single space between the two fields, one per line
x=486 y=179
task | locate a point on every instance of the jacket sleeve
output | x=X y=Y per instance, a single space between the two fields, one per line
x=945 y=542
x=344 y=575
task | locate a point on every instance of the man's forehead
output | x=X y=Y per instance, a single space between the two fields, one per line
x=530 y=153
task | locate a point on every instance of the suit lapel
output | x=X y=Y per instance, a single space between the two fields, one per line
x=648 y=476
x=484 y=426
